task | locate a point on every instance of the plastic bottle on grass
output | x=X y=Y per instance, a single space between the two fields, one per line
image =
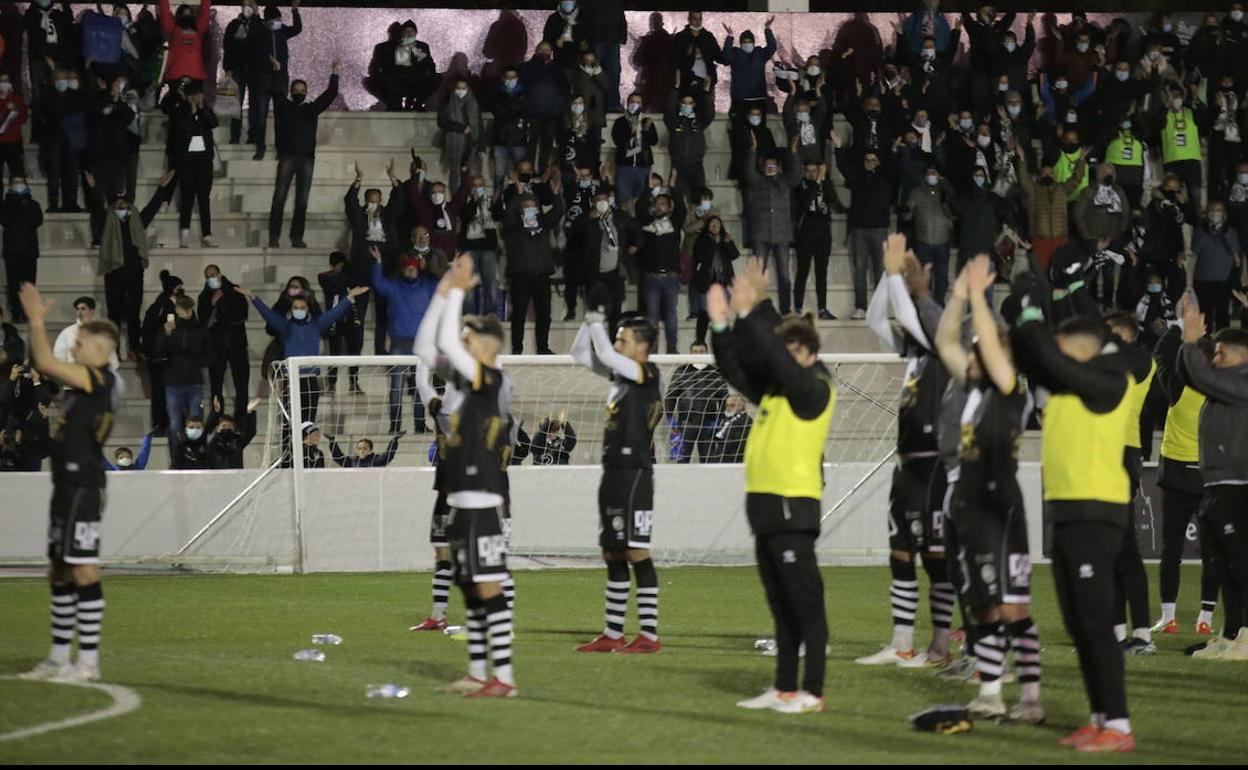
x=313 y=655
x=326 y=639
x=387 y=691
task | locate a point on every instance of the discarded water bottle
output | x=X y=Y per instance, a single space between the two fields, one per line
x=326 y=639
x=765 y=645
x=314 y=655
x=387 y=691
x=453 y=630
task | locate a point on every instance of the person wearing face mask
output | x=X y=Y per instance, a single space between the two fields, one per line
x=769 y=213
x=930 y=207
x=510 y=132
x=546 y=86
x=1102 y=215
x=158 y=313
x=1218 y=252
x=21 y=217
x=404 y=70
x=526 y=231
x=124 y=458
x=237 y=58
x=605 y=31
x=407 y=298
x=268 y=46
x=223 y=313
x=1009 y=58
x=185 y=32
x=1161 y=32
x=228 y=436
x=49 y=38
x=1225 y=140
x=478 y=236
x=981 y=214
x=1129 y=156
x=659 y=257
x=60 y=123
x=714 y=252
x=295 y=132
x=192 y=452
x=579 y=196
x=634 y=136
x=816 y=201
x=931 y=76
x=927 y=21
x=13 y=114
x=1065 y=166
x=1117 y=97
x=870 y=184
x=695 y=52
x=440 y=213
x=183 y=342
x=1080 y=60
x=1237 y=198
x=686 y=139
x=191 y=124
x=985 y=31
x=580 y=144
x=459 y=119
x=566 y=33
x=372 y=224
x=1061 y=100
x=609 y=242
x=590 y=82
x=747 y=70
x=1047 y=205
x=1169 y=211
x=804 y=127
x=1181 y=128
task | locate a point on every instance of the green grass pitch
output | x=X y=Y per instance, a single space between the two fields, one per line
x=211 y=658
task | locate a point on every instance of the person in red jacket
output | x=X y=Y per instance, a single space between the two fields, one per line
x=13 y=114
x=186 y=33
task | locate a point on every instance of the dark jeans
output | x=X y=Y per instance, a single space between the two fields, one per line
x=64 y=166
x=542 y=133
x=227 y=346
x=156 y=382
x=123 y=294
x=1215 y=303
x=309 y=395
x=403 y=382
x=699 y=434
x=264 y=86
x=1223 y=521
x=814 y=243
x=938 y=257
x=18 y=269
x=381 y=321
x=300 y=170
x=609 y=59
x=794 y=589
x=661 y=291
x=243 y=81
x=777 y=255
x=195 y=186
x=526 y=289
x=690 y=177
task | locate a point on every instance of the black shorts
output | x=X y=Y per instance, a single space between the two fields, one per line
x=625 y=508
x=478 y=545
x=437 y=524
x=994 y=561
x=74 y=525
x=916 y=506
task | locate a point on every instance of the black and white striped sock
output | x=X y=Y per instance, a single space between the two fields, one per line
x=990 y=657
x=478 y=661
x=498 y=626
x=647 y=598
x=441 y=589
x=63 y=612
x=903 y=593
x=509 y=592
x=618 y=585
x=1025 y=642
x=90 y=618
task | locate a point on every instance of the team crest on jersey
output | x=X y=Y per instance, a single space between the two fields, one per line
x=617 y=523
x=988 y=573
x=1085 y=571
x=916 y=527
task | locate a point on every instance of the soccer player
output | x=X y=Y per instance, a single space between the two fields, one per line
x=993 y=558
x=440 y=408
x=626 y=492
x=1086 y=491
x=774 y=363
x=86 y=419
x=915 y=525
x=474 y=481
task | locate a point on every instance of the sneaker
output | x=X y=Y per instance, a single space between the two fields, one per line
x=430 y=624
x=1204 y=629
x=641 y=645
x=926 y=659
x=259 y=154
x=1214 y=648
x=888 y=656
x=184 y=239
x=1238 y=650
x=800 y=702
x=46 y=669
x=1080 y=736
x=298 y=245
x=570 y=316
x=826 y=315
x=273 y=244
x=462 y=686
x=495 y=688
x=768 y=700
x=77 y=674
x=1135 y=646
x=208 y=242
x=604 y=643
x=962 y=668
x=1164 y=626
x=986 y=707
x=858 y=314
x=1028 y=712
x=1107 y=741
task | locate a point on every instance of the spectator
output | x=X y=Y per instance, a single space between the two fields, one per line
x=553 y=442
x=237 y=60
x=770 y=214
x=581 y=145
x=67 y=340
x=546 y=89
x=566 y=34
x=1009 y=61
x=223 y=313
x=124 y=458
x=511 y=125
x=857 y=52
x=1225 y=139
x=1237 y=199
x=652 y=58
x=1068 y=162
x=22 y=392
x=297 y=286
x=692 y=404
x=1047 y=207
x=1129 y=156
x=713 y=255
x=701 y=209
x=1102 y=213
x=190 y=452
x=579 y=195
x=1219 y=255
x=313 y=457
x=162 y=309
x=1170 y=209
x=190 y=134
x=659 y=258
x=478 y=236
x=438 y=213
x=349 y=331
x=123 y=258
x=229 y=436
x=372 y=226
x=408 y=298
x=802 y=127
x=12 y=347
x=747 y=73
x=60 y=117
x=185 y=33
x=530 y=263
x=300 y=335
x=460 y=122
x=50 y=43
x=21 y=217
x=687 y=117
x=184 y=343
x=1116 y=99
x=13 y=110
x=607 y=30
x=364 y=455
x=24 y=439
x=634 y=136
x=269 y=44
x=1180 y=128
x=930 y=207
x=295 y=135
x=931 y=74
x=609 y=240
x=927 y=22
x=816 y=200
x=1080 y=60
x=406 y=70
x=590 y=83
x=731 y=431
x=695 y=53
x=108 y=149
x=873 y=130
x=870 y=186
x=980 y=214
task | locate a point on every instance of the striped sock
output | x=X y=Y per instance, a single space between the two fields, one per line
x=498 y=623
x=903 y=592
x=618 y=585
x=940 y=600
x=509 y=592
x=1025 y=641
x=647 y=598
x=63 y=612
x=90 y=618
x=990 y=657
x=441 y=589
x=478 y=666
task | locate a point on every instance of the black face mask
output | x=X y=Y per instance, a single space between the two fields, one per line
x=873 y=114
x=298 y=98
x=1070 y=146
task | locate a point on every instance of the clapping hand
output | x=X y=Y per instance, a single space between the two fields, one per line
x=717 y=305
x=1193 y=319
x=979 y=276
x=895 y=254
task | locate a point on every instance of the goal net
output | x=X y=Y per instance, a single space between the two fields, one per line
x=345 y=518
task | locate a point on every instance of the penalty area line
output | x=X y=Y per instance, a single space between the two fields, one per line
x=125 y=700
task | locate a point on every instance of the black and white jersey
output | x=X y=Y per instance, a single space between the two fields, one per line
x=633 y=410
x=992 y=427
x=476 y=432
x=85 y=421
x=950 y=426
x=441 y=409
x=918 y=414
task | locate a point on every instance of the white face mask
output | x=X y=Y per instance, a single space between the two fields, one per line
x=1061 y=85
x=275 y=24
x=965 y=124
x=577 y=109
x=1010 y=46
x=1176 y=103
x=602 y=207
x=634 y=108
x=1081 y=47
x=929 y=53
x=756 y=120
x=437 y=198
x=461 y=92
x=1122 y=75
x=122 y=213
x=214 y=282
x=248 y=11
x=803 y=117
x=194 y=434
x=932 y=179
x=813 y=71
x=704 y=206
x=123 y=462
x=479 y=192
x=1013 y=110
x=983 y=141
x=299 y=314
x=1154 y=55
x=980 y=181
x=686 y=110
x=1242 y=179
x=747 y=48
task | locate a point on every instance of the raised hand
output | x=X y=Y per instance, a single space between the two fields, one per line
x=359 y=173
x=357 y=291
x=960 y=290
x=1240 y=297
x=770 y=19
x=895 y=253
x=918 y=276
x=33 y=303
x=375 y=253
x=390 y=169
x=245 y=292
x=837 y=142
x=717 y=304
x=979 y=275
x=728 y=30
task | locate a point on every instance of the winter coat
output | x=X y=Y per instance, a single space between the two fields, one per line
x=408 y=301
x=770 y=203
x=748 y=71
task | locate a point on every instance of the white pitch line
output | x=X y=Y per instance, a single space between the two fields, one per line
x=125 y=700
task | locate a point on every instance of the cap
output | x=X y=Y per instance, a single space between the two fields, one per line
x=412 y=262
x=308 y=428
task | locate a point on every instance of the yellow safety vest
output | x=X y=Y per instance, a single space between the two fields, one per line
x=784 y=453
x=1082 y=451
x=1064 y=169
x=1181 y=439
x=1135 y=397
x=1180 y=139
x=1125 y=150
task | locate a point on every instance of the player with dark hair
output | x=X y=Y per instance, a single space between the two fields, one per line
x=475 y=481
x=626 y=492
x=774 y=363
x=86 y=419
x=986 y=507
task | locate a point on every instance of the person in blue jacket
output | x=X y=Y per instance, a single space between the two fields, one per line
x=124 y=459
x=301 y=336
x=408 y=297
x=365 y=457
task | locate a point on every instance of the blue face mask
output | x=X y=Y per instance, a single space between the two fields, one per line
x=510 y=85
x=62 y=85
x=747 y=48
x=299 y=314
x=686 y=110
x=1154 y=288
x=567 y=6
